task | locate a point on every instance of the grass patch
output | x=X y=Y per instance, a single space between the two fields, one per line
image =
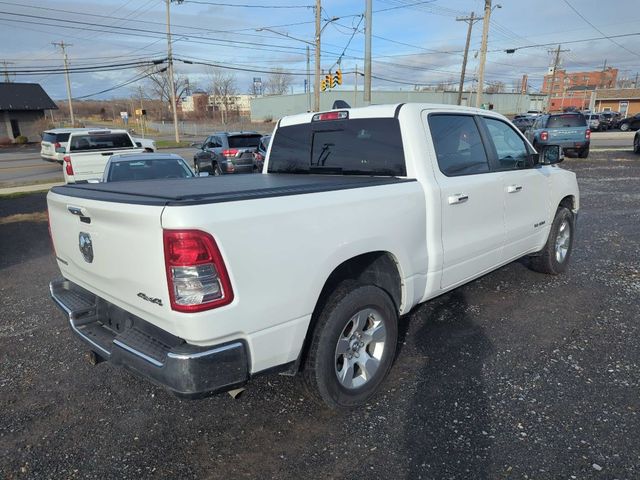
x=172 y=144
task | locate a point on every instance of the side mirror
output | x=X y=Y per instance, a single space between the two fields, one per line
x=203 y=174
x=551 y=154
x=61 y=150
x=139 y=144
x=197 y=145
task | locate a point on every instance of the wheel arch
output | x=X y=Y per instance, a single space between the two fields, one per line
x=379 y=268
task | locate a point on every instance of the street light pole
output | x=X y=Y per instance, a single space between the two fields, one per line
x=172 y=84
x=316 y=80
x=483 y=50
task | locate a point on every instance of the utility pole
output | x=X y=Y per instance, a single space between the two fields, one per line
x=308 y=79
x=172 y=84
x=355 y=91
x=471 y=19
x=316 y=80
x=483 y=50
x=7 y=78
x=63 y=46
x=367 y=52
x=556 y=62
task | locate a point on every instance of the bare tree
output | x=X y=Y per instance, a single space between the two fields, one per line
x=158 y=86
x=224 y=91
x=495 y=87
x=278 y=82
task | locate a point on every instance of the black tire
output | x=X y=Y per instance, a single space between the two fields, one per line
x=584 y=153
x=636 y=143
x=548 y=260
x=624 y=127
x=196 y=168
x=215 y=170
x=320 y=373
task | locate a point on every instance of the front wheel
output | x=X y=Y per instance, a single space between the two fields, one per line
x=217 y=171
x=636 y=144
x=353 y=345
x=624 y=127
x=554 y=257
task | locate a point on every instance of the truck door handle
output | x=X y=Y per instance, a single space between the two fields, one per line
x=514 y=188
x=458 y=198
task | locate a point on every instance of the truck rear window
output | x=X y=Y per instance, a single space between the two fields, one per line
x=368 y=146
x=560 y=121
x=107 y=141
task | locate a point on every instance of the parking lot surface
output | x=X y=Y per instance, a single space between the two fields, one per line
x=515 y=375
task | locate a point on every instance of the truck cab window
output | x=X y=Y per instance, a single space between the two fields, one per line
x=510 y=148
x=458 y=145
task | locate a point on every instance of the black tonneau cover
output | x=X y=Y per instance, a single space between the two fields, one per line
x=226 y=188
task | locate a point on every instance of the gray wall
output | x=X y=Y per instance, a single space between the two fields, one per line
x=26 y=124
x=275 y=107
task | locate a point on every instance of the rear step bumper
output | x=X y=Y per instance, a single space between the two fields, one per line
x=124 y=339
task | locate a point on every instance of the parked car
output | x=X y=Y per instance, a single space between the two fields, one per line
x=595 y=122
x=636 y=142
x=630 y=123
x=610 y=119
x=569 y=130
x=88 y=151
x=146 y=143
x=145 y=166
x=53 y=141
x=362 y=214
x=261 y=152
x=227 y=152
x=523 y=122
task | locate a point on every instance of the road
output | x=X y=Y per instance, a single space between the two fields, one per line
x=515 y=375
x=26 y=167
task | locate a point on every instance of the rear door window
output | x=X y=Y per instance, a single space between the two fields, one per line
x=103 y=141
x=244 y=141
x=366 y=146
x=565 y=121
x=458 y=145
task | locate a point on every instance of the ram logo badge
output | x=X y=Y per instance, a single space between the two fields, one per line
x=86 y=246
x=157 y=301
x=539 y=224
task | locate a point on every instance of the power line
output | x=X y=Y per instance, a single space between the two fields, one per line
x=239 y=5
x=600 y=31
x=623 y=35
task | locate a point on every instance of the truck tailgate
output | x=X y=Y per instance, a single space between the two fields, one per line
x=115 y=250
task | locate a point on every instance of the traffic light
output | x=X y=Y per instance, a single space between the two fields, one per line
x=323 y=85
x=327 y=81
x=338 y=77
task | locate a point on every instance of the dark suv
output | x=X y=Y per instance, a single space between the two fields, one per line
x=227 y=152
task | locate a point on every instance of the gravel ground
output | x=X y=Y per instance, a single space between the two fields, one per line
x=516 y=375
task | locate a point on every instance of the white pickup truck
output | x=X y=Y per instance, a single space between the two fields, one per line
x=359 y=215
x=87 y=152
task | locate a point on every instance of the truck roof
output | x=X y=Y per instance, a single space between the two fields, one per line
x=385 y=111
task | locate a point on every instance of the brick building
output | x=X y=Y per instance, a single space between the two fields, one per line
x=573 y=89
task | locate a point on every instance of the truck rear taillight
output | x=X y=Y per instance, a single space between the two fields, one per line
x=67 y=165
x=196 y=273
x=230 y=152
x=544 y=136
x=587 y=134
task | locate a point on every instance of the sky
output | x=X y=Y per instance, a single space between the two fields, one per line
x=414 y=42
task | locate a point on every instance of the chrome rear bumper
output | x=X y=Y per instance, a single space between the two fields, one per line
x=124 y=339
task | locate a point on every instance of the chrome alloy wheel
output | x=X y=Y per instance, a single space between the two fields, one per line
x=360 y=348
x=563 y=241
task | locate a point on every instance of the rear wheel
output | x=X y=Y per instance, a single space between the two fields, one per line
x=554 y=257
x=636 y=143
x=584 y=153
x=216 y=170
x=353 y=345
x=624 y=127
